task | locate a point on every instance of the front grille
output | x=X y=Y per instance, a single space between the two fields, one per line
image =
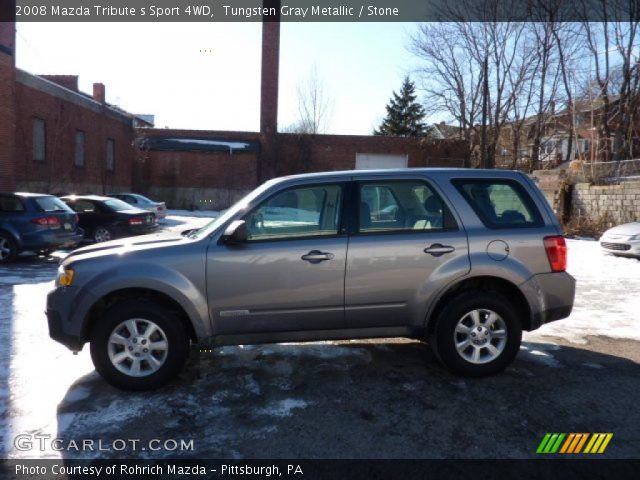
x=615 y=246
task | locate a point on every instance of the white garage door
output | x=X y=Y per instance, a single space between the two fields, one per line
x=368 y=161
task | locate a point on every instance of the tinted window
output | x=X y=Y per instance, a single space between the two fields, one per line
x=83 y=206
x=51 y=204
x=400 y=206
x=500 y=203
x=11 y=204
x=297 y=213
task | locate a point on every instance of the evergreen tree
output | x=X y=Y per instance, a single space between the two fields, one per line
x=404 y=115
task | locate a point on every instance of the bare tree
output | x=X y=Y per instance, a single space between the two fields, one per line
x=314 y=106
x=450 y=77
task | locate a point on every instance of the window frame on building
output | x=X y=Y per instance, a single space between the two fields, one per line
x=79 y=151
x=110 y=155
x=39 y=139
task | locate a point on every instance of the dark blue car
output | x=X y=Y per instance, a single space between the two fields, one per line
x=35 y=222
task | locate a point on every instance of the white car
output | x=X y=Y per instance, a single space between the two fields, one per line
x=622 y=240
x=140 y=201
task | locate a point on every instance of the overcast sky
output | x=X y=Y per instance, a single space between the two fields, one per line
x=207 y=75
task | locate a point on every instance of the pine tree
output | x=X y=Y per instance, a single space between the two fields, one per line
x=404 y=115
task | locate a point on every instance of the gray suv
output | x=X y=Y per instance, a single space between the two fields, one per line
x=463 y=259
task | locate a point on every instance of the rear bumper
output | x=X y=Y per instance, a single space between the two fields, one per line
x=550 y=297
x=44 y=240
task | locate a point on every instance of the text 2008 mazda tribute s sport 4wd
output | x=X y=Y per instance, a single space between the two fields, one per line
x=464 y=259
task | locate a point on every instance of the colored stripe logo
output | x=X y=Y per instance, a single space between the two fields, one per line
x=592 y=443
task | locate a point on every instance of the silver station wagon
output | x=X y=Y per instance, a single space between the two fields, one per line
x=462 y=259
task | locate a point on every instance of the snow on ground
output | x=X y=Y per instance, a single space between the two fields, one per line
x=607 y=297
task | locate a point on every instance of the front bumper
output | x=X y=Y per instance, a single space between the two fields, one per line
x=620 y=246
x=65 y=318
x=550 y=297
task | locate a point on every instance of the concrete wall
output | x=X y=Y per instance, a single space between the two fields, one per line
x=552 y=183
x=612 y=204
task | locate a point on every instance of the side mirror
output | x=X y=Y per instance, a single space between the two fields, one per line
x=236 y=233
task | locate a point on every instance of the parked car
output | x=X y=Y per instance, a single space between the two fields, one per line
x=276 y=268
x=35 y=222
x=140 y=201
x=106 y=218
x=623 y=240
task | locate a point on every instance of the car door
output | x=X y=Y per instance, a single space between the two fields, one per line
x=289 y=274
x=407 y=245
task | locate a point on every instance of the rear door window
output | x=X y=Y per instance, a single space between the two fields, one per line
x=401 y=205
x=500 y=203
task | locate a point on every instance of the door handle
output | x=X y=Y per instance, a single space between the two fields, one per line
x=438 y=249
x=316 y=256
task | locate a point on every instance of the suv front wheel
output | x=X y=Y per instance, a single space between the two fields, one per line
x=477 y=334
x=138 y=345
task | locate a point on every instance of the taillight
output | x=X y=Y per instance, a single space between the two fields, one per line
x=136 y=221
x=51 y=222
x=556 y=248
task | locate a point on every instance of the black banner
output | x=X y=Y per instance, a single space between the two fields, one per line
x=318 y=469
x=317 y=10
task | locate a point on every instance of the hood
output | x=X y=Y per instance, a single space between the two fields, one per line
x=625 y=229
x=130 y=244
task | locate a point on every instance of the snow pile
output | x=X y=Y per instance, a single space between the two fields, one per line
x=607 y=297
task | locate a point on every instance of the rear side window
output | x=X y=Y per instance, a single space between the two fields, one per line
x=500 y=203
x=11 y=204
x=400 y=206
x=51 y=204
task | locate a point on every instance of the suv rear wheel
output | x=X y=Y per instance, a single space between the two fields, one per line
x=477 y=334
x=137 y=345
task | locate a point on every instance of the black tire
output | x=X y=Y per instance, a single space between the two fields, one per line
x=170 y=326
x=8 y=248
x=444 y=337
x=101 y=234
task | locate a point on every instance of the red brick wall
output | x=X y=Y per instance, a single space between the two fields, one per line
x=58 y=173
x=7 y=106
x=176 y=176
x=197 y=169
x=316 y=153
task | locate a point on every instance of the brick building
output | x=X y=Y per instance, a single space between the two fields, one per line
x=54 y=138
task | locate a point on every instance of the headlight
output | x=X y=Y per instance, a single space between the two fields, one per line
x=635 y=237
x=65 y=276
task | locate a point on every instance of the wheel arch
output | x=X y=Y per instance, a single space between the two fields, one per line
x=486 y=283
x=137 y=293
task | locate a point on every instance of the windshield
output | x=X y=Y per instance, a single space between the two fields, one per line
x=241 y=204
x=117 y=205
